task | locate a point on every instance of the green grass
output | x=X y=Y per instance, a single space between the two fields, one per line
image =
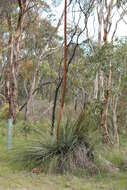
x=23 y=180
x=14 y=178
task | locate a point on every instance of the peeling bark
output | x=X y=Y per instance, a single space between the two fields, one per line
x=105 y=97
x=11 y=71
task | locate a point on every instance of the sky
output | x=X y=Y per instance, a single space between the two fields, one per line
x=57 y=11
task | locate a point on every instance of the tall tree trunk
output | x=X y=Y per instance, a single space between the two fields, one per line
x=106 y=28
x=13 y=67
x=8 y=93
x=97 y=82
x=8 y=71
x=64 y=77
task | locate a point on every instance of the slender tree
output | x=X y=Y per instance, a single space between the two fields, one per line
x=64 y=75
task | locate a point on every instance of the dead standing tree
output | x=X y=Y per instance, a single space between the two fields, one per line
x=74 y=37
x=64 y=75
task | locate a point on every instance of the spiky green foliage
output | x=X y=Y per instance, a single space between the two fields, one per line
x=69 y=153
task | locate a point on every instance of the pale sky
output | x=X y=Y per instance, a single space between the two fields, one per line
x=121 y=30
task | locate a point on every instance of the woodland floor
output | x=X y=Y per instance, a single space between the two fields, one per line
x=15 y=180
x=12 y=178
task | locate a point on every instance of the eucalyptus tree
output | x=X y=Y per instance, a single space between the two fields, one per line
x=15 y=13
x=15 y=28
x=107 y=16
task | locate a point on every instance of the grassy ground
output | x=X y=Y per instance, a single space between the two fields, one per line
x=12 y=178
x=27 y=181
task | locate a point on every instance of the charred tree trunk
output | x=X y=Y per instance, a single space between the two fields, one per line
x=54 y=105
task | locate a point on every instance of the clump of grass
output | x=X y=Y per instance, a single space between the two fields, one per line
x=72 y=151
